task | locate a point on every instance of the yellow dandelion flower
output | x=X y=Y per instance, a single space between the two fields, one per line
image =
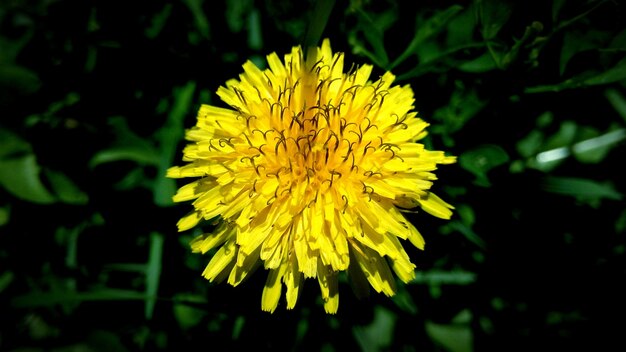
x=307 y=171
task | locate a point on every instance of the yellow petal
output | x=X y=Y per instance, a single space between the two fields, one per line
x=362 y=74
x=277 y=67
x=315 y=216
x=189 y=221
x=403 y=268
x=196 y=169
x=436 y=206
x=251 y=236
x=210 y=203
x=236 y=205
x=222 y=258
x=358 y=281
x=225 y=119
x=381 y=219
x=375 y=269
x=193 y=190
x=307 y=259
x=206 y=242
x=272 y=290
x=271 y=243
x=292 y=279
x=244 y=265
x=415 y=237
x=339 y=238
x=280 y=250
x=200 y=133
x=327 y=279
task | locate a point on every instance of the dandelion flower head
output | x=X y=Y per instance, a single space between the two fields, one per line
x=307 y=172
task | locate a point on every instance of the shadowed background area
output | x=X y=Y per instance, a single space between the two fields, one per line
x=94 y=100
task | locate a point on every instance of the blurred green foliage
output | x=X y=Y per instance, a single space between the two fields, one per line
x=94 y=99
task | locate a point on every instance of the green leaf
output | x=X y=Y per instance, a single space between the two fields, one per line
x=20 y=176
x=238 y=327
x=65 y=189
x=531 y=144
x=359 y=49
x=460 y=28
x=467 y=214
x=128 y=146
x=5 y=215
x=135 y=178
x=583 y=142
x=138 y=154
x=255 y=34
x=372 y=26
x=378 y=335
x=16 y=81
x=68 y=237
x=595 y=146
x=216 y=323
x=158 y=21
x=493 y=15
x=47 y=299
x=480 y=160
x=545 y=119
x=98 y=340
x=302 y=328
x=403 y=300
x=153 y=272
x=619 y=41
x=52 y=115
x=5 y=280
x=200 y=19
x=436 y=60
x=620 y=223
x=483 y=63
x=557 y=5
x=614 y=74
x=467 y=231
x=169 y=136
x=127 y=267
x=12 y=145
x=530 y=34
x=555 y=148
x=565 y=136
x=425 y=30
x=463 y=106
x=581 y=188
x=455 y=337
x=321 y=13
x=11 y=45
x=188 y=315
x=236 y=13
x=574 y=43
x=464 y=226
x=617 y=100
x=440 y=277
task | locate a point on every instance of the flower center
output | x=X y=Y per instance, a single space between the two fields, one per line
x=320 y=132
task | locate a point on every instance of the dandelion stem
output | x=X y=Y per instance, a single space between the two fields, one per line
x=321 y=13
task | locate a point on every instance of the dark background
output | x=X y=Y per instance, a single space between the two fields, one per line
x=94 y=98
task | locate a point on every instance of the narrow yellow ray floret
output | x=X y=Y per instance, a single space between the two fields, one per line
x=306 y=171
